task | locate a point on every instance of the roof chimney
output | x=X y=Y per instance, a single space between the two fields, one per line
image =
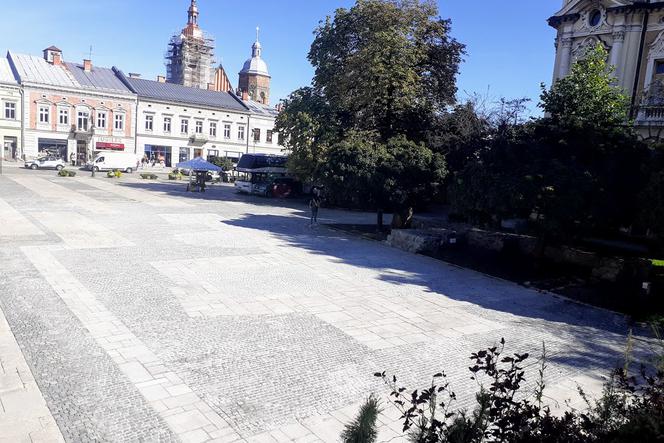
x=134 y=75
x=161 y=79
x=245 y=96
x=57 y=59
x=211 y=87
x=87 y=65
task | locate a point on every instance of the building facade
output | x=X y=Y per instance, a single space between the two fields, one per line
x=11 y=104
x=178 y=123
x=72 y=110
x=632 y=32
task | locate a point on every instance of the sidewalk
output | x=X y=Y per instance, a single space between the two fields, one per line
x=24 y=416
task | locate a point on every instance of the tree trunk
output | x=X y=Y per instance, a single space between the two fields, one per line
x=379 y=220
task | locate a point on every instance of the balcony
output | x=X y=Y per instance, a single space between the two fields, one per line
x=198 y=139
x=83 y=133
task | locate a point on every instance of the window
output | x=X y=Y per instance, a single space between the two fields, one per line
x=82 y=122
x=63 y=116
x=227 y=130
x=101 y=120
x=269 y=137
x=659 y=67
x=44 y=114
x=167 y=124
x=213 y=129
x=240 y=133
x=595 y=18
x=199 y=127
x=149 y=122
x=119 y=122
x=184 y=126
x=257 y=135
x=10 y=110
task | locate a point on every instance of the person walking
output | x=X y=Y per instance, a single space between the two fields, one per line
x=314 y=205
x=72 y=159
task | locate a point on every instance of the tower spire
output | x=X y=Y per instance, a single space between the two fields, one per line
x=193 y=13
x=256 y=47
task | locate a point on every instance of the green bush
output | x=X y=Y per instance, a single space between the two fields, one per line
x=66 y=173
x=630 y=409
x=148 y=176
x=116 y=173
x=175 y=176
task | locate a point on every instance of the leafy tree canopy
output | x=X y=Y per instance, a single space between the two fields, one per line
x=588 y=96
x=386 y=65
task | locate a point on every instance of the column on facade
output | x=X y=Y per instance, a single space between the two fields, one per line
x=617 y=49
x=565 y=48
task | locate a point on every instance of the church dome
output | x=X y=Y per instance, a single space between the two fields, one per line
x=255 y=65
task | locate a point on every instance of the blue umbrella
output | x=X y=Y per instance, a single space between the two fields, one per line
x=198 y=164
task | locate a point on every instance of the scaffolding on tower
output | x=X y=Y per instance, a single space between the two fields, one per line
x=190 y=59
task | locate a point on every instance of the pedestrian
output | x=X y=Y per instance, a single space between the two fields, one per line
x=314 y=205
x=72 y=159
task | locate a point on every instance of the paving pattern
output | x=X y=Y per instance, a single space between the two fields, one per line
x=148 y=314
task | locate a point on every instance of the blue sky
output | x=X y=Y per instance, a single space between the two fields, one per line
x=510 y=46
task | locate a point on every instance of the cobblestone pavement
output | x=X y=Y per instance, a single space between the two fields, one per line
x=148 y=314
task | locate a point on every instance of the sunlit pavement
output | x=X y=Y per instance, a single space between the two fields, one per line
x=146 y=313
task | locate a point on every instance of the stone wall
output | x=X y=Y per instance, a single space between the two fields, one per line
x=423 y=240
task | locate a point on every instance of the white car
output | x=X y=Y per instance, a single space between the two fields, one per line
x=48 y=162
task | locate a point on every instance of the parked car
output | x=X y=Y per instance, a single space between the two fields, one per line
x=47 y=162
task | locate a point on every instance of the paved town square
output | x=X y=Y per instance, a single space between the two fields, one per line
x=134 y=311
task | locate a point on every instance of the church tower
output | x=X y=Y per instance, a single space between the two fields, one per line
x=190 y=55
x=254 y=76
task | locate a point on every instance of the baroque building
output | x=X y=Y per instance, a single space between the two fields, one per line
x=190 y=55
x=632 y=32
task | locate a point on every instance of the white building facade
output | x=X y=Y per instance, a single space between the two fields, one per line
x=178 y=123
x=11 y=105
x=633 y=34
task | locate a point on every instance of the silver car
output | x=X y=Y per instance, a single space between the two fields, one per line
x=48 y=162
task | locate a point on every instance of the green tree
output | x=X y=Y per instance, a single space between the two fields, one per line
x=588 y=96
x=398 y=175
x=307 y=127
x=386 y=65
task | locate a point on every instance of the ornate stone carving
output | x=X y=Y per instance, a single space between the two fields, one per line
x=619 y=35
x=587 y=43
x=657 y=47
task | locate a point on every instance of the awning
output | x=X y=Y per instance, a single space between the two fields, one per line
x=198 y=164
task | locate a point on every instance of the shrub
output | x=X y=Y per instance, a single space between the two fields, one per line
x=630 y=409
x=148 y=176
x=66 y=173
x=363 y=428
x=175 y=176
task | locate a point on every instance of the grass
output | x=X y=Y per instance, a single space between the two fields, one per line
x=658 y=263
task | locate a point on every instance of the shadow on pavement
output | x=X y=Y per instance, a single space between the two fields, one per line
x=593 y=337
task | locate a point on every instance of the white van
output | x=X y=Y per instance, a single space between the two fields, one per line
x=109 y=161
